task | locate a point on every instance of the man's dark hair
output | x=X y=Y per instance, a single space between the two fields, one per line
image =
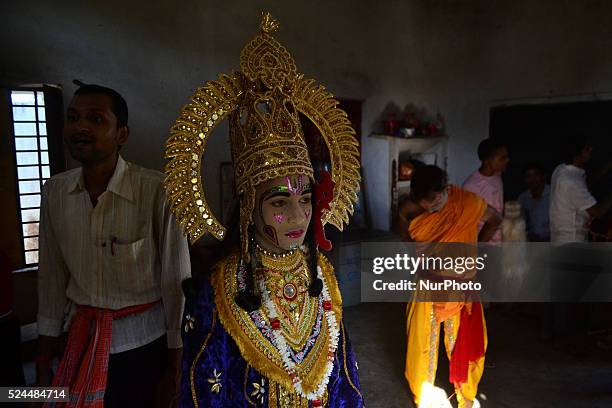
x=427 y=180
x=573 y=147
x=118 y=104
x=533 y=166
x=488 y=147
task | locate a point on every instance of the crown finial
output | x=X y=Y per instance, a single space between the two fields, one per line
x=268 y=23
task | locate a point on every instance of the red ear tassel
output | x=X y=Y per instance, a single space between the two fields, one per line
x=324 y=193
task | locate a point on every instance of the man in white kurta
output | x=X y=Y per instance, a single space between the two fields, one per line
x=112 y=261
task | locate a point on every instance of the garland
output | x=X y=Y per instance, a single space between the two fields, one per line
x=282 y=347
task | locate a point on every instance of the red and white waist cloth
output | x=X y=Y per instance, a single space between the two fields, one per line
x=84 y=366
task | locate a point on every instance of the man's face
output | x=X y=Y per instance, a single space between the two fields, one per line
x=435 y=201
x=90 y=131
x=499 y=161
x=282 y=212
x=587 y=153
x=534 y=179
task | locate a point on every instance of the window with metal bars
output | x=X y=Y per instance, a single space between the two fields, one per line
x=32 y=119
x=32 y=159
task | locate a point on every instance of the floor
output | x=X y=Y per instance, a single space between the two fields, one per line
x=528 y=372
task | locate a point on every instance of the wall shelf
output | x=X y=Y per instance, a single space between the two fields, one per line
x=401 y=184
x=382 y=176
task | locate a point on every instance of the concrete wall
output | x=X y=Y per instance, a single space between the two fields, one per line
x=463 y=57
x=456 y=57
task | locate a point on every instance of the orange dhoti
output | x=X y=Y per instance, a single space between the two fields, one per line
x=456 y=222
x=423 y=333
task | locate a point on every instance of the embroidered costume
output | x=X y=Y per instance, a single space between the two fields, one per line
x=265 y=328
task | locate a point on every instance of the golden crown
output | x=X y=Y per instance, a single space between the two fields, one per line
x=263 y=102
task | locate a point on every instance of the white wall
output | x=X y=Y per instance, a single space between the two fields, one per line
x=457 y=57
x=467 y=56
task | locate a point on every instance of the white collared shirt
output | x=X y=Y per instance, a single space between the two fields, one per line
x=127 y=250
x=569 y=200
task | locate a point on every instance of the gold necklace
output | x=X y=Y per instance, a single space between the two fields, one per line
x=262 y=251
x=288 y=271
x=287 y=277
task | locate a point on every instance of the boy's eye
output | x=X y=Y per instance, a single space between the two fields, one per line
x=305 y=200
x=278 y=203
x=71 y=117
x=97 y=119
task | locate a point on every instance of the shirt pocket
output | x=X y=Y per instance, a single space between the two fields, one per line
x=132 y=264
x=129 y=252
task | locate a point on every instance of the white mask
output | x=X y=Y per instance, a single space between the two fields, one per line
x=441 y=203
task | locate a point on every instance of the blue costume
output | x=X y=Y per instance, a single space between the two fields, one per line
x=215 y=373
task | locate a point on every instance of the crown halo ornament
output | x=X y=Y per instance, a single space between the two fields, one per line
x=262 y=102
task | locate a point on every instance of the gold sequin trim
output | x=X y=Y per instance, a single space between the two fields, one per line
x=197 y=357
x=281 y=397
x=348 y=377
x=433 y=346
x=449 y=331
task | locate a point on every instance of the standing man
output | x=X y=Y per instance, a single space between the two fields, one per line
x=112 y=260
x=535 y=202
x=486 y=182
x=449 y=214
x=572 y=205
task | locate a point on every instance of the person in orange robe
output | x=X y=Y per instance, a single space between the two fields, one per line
x=438 y=212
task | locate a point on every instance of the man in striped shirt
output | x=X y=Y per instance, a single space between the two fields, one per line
x=112 y=260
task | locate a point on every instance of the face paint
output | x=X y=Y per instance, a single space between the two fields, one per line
x=283 y=212
x=271 y=233
x=299 y=187
x=276 y=190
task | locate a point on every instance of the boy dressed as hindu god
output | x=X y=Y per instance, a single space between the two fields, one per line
x=264 y=327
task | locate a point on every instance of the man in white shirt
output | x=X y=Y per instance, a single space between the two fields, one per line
x=571 y=203
x=112 y=261
x=572 y=206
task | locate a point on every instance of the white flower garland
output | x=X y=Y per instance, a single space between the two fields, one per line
x=283 y=348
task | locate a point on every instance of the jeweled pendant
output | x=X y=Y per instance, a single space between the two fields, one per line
x=289 y=291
